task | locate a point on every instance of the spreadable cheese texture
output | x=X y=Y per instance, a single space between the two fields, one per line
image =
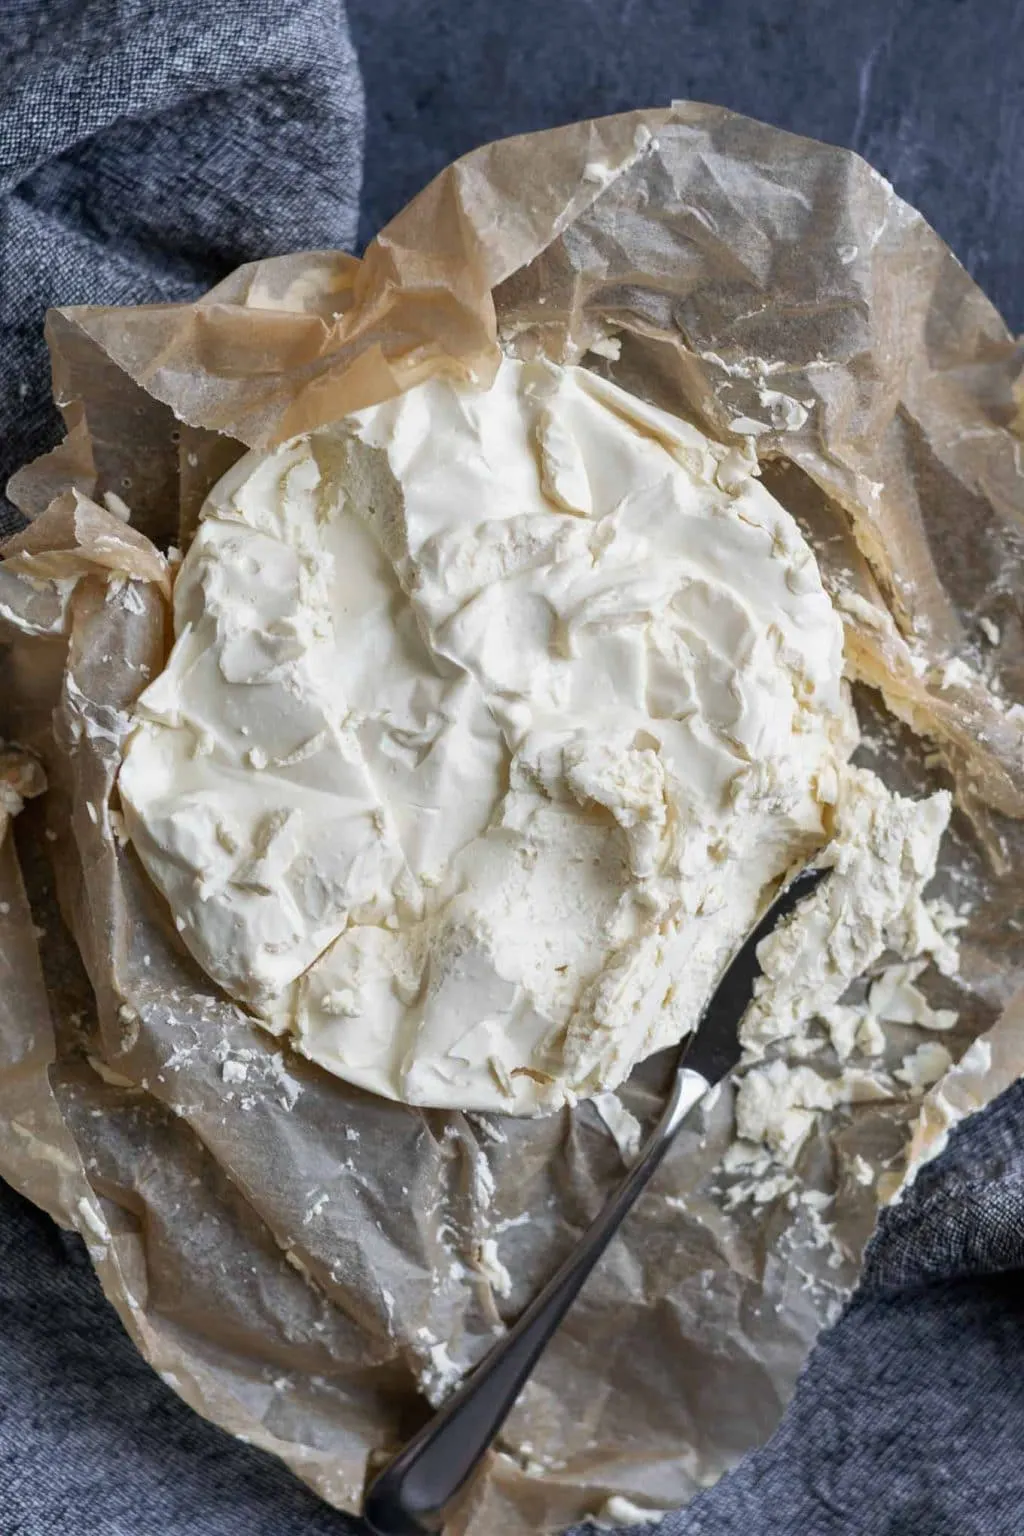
x=491 y=718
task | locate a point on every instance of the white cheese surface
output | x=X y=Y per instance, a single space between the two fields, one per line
x=492 y=717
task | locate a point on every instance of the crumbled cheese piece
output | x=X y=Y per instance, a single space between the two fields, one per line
x=787 y=414
x=775 y=1105
x=607 y=346
x=492 y=1269
x=620 y=1511
x=624 y=1127
x=924 y=1066
x=118 y=827
x=439 y=1375
x=117 y=506
x=894 y=997
x=883 y=853
x=599 y=174
x=956 y=673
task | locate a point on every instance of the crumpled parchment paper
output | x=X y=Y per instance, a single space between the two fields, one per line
x=298 y=1258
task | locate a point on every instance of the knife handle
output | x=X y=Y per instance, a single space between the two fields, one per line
x=409 y=1496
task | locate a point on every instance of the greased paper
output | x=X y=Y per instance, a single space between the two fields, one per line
x=300 y=1258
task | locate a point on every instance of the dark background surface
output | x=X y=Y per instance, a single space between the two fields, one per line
x=933 y=95
x=931 y=92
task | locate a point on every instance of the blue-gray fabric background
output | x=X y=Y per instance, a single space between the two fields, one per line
x=146 y=148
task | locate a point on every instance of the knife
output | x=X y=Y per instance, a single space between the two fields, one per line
x=409 y=1496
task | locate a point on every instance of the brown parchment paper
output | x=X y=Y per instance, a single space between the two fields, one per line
x=299 y=1258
